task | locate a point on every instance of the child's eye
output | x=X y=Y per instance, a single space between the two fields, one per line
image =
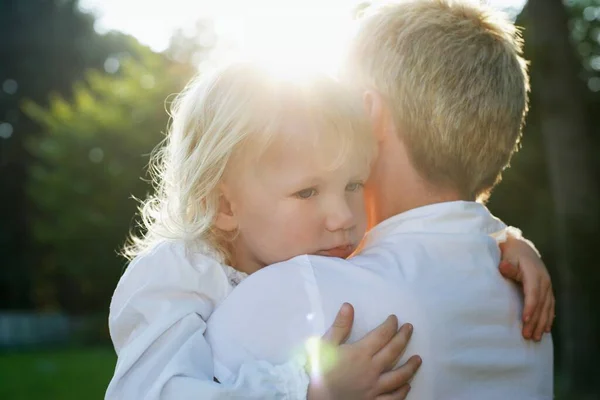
x=306 y=193
x=354 y=186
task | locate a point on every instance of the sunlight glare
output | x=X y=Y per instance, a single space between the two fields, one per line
x=322 y=357
x=316 y=27
x=313 y=349
x=288 y=41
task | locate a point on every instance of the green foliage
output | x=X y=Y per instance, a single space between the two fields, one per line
x=45 y=46
x=88 y=164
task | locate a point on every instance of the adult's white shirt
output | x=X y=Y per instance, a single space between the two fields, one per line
x=435 y=267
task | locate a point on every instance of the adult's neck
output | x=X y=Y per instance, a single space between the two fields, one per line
x=384 y=203
x=395 y=187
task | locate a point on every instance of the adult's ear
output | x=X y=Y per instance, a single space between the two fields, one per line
x=376 y=110
x=226 y=219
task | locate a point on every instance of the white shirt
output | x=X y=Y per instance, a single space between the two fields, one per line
x=435 y=267
x=157 y=324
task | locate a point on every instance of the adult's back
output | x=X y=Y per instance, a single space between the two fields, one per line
x=435 y=267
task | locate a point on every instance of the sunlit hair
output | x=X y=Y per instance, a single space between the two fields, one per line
x=453 y=77
x=235 y=114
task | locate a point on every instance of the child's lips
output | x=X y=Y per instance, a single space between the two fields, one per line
x=339 y=251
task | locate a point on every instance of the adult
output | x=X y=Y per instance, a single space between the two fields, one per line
x=446 y=89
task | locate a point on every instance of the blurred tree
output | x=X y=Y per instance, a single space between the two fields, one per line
x=89 y=160
x=565 y=126
x=45 y=45
x=557 y=174
x=193 y=46
x=560 y=97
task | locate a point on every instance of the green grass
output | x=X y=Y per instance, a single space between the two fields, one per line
x=62 y=374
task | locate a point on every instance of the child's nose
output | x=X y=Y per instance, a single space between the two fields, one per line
x=339 y=217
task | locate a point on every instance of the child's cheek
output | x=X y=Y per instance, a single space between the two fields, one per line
x=299 y=238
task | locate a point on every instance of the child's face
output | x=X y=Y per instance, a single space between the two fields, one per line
x=287 y=204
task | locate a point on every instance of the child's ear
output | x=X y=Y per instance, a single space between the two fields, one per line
x=226 y=219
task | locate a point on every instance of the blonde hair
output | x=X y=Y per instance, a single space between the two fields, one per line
x=237 y=112
x=455 y=81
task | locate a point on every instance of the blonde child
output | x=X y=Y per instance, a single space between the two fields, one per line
x=255 y=170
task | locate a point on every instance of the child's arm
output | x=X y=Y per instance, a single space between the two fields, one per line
x=178 y=365
x=157 y=323
x=521 y=263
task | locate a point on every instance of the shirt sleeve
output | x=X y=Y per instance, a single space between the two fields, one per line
x=157 y=324
x=502 y=235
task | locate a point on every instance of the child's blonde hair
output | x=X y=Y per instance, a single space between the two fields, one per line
x=236 y=113
x=454 y=79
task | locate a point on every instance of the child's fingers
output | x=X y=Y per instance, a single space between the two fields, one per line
x=342 y=326
x=379 y=337
x=535 y=296
x=399 y=394
x=551 y=315
x=532 y=322
x=514 y=272
x=511 y=271
x=388 y=357
x=542 y=323
x=532 y=290
x=394 y=380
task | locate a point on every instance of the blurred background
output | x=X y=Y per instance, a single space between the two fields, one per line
x=84 y=87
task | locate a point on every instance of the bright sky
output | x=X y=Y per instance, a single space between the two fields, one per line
x=264 y=28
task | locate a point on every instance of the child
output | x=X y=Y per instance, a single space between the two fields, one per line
x=218 y=214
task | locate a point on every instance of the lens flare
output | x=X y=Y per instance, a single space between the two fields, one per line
x=322 y=357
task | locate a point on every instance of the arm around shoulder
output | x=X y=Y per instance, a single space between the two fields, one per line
x=157 y=323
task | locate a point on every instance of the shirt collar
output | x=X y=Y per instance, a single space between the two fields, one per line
x=448 y=217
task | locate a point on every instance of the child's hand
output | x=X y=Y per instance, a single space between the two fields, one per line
x=362 y=370
x=521 y=263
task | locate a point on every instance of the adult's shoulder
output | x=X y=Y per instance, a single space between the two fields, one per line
x=282 y=292
x=270 y=314
x=282 y=288
x=300 y=265
x=275 y=278
x=281 y=276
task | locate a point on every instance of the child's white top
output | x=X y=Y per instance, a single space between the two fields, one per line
x=157 y=322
